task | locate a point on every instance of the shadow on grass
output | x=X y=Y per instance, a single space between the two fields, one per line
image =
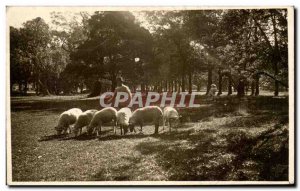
x=122 y=172
x=54 y=105
x=258 y=120
x=205 y=155
x=52 y=137
x=117 y=137
x=191 y=157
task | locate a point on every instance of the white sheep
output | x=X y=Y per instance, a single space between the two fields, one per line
x=101 y=117
x=66 y=119
x=123 y=116
x=170 y=117
x=146 y=114
x=83 y=120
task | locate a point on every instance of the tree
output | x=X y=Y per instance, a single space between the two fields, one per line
x=259 y=40
x=36 y=37
x=20 y=69
x=169 y=28
x=114 y=41
x=37 y=57
x=203 y=26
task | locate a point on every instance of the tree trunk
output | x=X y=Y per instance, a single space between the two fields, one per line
x=241 y=88
x=44 y=88
x=276 y=92
x=96 y=89
x=190 y=83
x=155 y=89
x=229 y=84
x=37 y=88
x=160 y=87
x=220 y=82
x=25 y=88
x=276 y=54
x=166 y=86
x=146 y=88
x=198 y=87
x=20 y=87
x=209 y=80
x=182 y=83
x=113 y=83
x=257 y=85
x=80 y=87
x=142 y=87
x=175 y=85
x=252 y=87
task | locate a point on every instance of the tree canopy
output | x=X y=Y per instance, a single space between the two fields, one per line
x=165 y=51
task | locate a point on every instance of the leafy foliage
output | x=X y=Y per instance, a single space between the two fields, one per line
x=165 y=51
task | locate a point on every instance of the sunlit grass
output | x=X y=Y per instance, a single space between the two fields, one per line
x=220 y=146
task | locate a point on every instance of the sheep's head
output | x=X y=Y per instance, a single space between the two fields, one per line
x=75 y=131
x=175 y=122
x=58 y=130
x=131 y=127
x=125 y=128
x=90 y=130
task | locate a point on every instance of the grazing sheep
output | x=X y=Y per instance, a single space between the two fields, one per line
x=105 y=115
x=170 y=116
x=123 y=116
x=146 y=114
x=83 y=120
x=66 y=119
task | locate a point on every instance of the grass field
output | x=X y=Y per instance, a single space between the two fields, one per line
x=226 y=139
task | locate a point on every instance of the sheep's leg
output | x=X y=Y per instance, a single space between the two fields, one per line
x=75 y=132
x=170 y=126
x=90 y=130
x=68 y=130
x=134 y=130
x=164 y=122
x=121 y=128
x=141 y=126
x=71 y=128
x=156 y=128
x=80 y=131
x=177 y=125
x=98 y=131
x=64 y=131
x=115 y=126
x=94 y=130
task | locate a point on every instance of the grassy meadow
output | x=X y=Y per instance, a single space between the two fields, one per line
x=225 y=139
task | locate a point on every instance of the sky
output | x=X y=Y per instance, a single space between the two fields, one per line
x=16 y=16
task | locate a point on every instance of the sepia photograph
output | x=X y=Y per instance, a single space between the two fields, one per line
x=150 y=95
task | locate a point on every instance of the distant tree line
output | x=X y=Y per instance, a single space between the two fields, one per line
x=178 y=51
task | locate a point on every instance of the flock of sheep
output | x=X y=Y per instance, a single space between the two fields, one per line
x=124 y=118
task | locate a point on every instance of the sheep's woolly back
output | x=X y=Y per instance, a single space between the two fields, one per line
x=123 y=116
x=105 y=115
x=170 y=113
x=69 y=117
x=146 y=113
x=85 y=118
x=74 y=112
x=63 y=120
